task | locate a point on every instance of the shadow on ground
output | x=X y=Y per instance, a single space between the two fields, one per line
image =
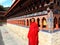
x=1 y=39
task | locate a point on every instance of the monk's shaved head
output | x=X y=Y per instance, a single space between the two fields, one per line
x=33 y=20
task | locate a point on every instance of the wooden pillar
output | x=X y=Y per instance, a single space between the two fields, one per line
x=19 y=22
x=26 y=22
x=57 y=26
x=40 y=24
x=46 y=25
x=22 y=22
x=29 y=22
x=36 y=20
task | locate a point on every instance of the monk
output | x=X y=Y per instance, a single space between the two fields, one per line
x=33 y=33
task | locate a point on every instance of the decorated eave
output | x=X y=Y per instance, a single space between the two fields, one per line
x=27 y=7
x=13 y=5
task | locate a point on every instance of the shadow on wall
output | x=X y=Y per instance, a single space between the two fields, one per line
x=1 y=39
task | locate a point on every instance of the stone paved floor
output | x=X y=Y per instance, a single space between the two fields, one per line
x=8 y=38
x=17 y=35
x=1 y=39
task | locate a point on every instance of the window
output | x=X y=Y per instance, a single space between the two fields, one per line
x=38 y=21
x=44 y=23
x=55 y=22
x=58 y=2
x=59 y=22
x=27 y=22
x=54 y=1
x=24 y=22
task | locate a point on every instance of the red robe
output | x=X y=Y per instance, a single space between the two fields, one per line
x=33 y=34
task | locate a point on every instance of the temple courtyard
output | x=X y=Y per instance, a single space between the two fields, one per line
x=9 y=37
x=17 y=35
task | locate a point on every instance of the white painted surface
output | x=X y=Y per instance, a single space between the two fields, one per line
x=17 y=35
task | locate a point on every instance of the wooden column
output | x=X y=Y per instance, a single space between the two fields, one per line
x=41 y=24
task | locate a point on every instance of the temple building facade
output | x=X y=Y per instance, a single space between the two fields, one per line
x=21 y=12
x=46 y=14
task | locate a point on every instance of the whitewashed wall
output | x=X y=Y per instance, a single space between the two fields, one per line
x=49 y=38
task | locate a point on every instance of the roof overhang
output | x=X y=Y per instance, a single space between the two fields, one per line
x=13 y=5
x=2 y=13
